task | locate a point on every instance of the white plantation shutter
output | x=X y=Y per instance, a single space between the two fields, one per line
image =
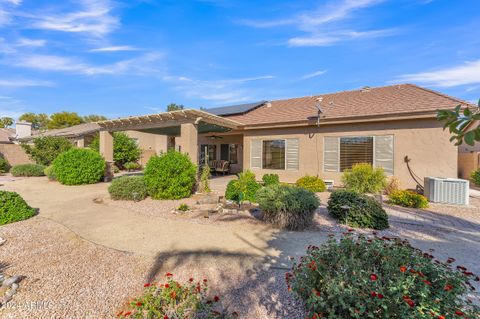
x=256 y=154
x=383 y=155
x=331 y=154
x=292 y=154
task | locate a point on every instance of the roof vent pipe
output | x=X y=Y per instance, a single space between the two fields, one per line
x=365 y=89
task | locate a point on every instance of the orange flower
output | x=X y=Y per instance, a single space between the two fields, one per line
x=403 y=268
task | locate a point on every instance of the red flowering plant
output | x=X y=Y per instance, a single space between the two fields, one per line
x=361 y=277
x=173 y=300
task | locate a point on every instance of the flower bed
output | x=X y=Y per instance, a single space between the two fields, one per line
x=173 y=300
x=359 y=277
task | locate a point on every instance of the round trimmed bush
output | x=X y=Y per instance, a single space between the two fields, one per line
x=4 y=165
x=311 y=183
x=128 y=188
x=357 y=210
x=172 y=175
x=125 y=149
x=287 y=207
x=50 y=173
x=243 y=188
x=13 y=208
x=28 y=170
x=79 y=166
x=270 y=179
x=476 y=177
x=359 y=277
x=408 y=198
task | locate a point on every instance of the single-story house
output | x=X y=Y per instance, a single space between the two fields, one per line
x=393 y=127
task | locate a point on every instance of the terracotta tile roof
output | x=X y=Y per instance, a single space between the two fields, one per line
x=6 y=134
x=380 y=101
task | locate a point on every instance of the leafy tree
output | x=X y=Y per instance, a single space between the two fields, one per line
x=457 y=120
x=94 y=118
x=174 y=107
x=39 y=121
x=5 y=121
x=46 y=149
x=64 y=119
x=125 y=149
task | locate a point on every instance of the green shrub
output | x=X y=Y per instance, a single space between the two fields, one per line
x=125 y=149
x=45 y=149
x=243 y=188
x=50 y=173
x=28 y=170
x=183 y=207
x=79 y=166
x=362 y=211
x=408 y=198
x=311 y=183
x=13 y=208
x=358 y=277
x=4 y=165
x=363 y=178
x=171 y=175
x=132 y=166
x=476 y=177
x=189 y=300
x=270 y=179
x=287 y=207
x=128 y=188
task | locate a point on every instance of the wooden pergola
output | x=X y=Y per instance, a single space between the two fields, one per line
x=189 y=123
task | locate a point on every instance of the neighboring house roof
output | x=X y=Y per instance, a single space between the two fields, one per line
x=72 y=131
x=7 y=135
x=394 y=100
x=235 y=109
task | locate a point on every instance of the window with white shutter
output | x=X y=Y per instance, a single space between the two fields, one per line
x=256 y=153
x=292 y=153
x=331 y=154
x=384 y=153
x=341 y=153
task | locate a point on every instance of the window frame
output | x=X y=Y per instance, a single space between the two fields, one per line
x=284 y=153
x=373 y=150
x=261 y=140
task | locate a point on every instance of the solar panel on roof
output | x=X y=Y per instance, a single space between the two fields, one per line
x=235 y=109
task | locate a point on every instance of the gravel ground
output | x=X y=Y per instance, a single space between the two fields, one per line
x=69 y=277
x=65 y=276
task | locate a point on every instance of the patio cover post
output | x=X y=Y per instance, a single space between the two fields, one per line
x=106 y=149
x=189 y=140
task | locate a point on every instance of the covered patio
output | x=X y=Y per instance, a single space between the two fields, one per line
x=190 y=131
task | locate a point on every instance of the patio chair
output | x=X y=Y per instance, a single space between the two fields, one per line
x=223 y=167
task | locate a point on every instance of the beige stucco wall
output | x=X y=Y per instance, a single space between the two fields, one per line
x=225 y=139
x=150 y=144
x=422 y=140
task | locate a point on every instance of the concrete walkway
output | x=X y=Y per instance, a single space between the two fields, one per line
x=80 y=209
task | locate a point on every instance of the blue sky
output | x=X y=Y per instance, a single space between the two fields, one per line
x=120 y=58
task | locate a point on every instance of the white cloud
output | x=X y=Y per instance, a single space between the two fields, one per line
x=94 y=18
x=314 y=74
x=138 y=65
x=467 y=73
x=24 y=42
x=321 y=27
x=23 y=83
x=218 y=91
x=315 y=40
x=5 y=10
x=114 y=49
